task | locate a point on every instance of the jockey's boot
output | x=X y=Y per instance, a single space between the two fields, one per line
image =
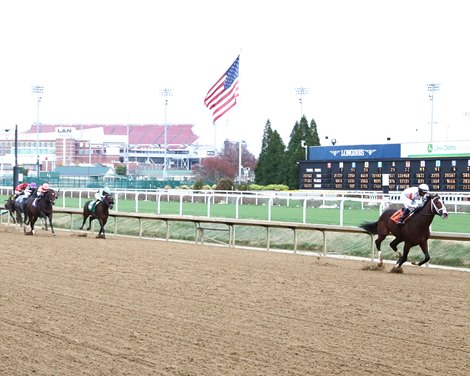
x=405 y=213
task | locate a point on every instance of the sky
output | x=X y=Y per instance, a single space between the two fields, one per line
x=366 y=65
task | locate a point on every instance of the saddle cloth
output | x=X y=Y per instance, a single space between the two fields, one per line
x=92 y=206
x=396 y=216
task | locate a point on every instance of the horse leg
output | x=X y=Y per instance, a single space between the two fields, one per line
x=404 y=257
x=32 y=220
x=85 y=217
x=44 y=221
x=424 y=248
x=19 y=217
x=11 y=211
x=49 y=216
x=89 y=224
x=394 y=245
x=101 y=232
x=378 y=243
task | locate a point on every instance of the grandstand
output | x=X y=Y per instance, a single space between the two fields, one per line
x=134 y=145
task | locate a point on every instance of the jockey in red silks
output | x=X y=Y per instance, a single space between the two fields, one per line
x=19 y=190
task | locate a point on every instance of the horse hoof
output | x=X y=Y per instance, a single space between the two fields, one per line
x=380 y=264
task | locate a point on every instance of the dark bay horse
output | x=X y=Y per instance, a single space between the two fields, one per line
x=16 y=207
x=414 y=232
x=100 y=212
x=43 y=206
x=10 y=206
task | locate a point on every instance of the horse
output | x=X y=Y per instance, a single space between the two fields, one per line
x=15 y=206
x=414 y=232
x=10 y=206
x=100 y=212
x=19 y=206
x=43 y=206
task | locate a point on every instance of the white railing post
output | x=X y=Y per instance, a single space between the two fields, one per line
x=159 y=195
x=181 y=203
x=304 y=211
x=270 y=204
x=341 y=212
x=236 y=206
x=207 y=198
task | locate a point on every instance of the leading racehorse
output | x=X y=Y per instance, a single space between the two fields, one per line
x=414 y=232
x=43 y=206
x=99 y=212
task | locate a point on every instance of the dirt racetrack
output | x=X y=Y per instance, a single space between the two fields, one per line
x=75 y=305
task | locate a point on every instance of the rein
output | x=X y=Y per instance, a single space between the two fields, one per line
x=434 y=209
x=108 y=200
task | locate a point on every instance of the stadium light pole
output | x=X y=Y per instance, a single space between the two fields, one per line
x=301 y=91
x=165 y=93
x=432 y=88
x=16 y=168
x=38 y=90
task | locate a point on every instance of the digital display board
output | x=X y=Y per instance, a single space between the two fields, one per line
x=441 y=174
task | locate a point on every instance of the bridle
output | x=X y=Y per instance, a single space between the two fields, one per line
x=442 y=211
x=109 y=201
x=50 y=196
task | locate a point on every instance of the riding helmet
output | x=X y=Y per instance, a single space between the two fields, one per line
x=423 y=188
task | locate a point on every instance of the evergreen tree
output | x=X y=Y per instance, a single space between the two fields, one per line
x=315 y=140
x=259 y=169
x=269 y=169
x=295 y=151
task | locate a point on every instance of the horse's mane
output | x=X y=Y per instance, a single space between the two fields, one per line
x=429 y=198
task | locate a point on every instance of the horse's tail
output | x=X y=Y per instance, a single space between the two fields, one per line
x=370 y=227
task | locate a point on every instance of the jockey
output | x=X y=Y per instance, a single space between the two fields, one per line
x=26 y=193
x=41 y=191
x=413 y=197
x=30 y=189
x=101 y=194
x=19 y=190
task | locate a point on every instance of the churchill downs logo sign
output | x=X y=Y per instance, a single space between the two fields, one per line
x=353 y=152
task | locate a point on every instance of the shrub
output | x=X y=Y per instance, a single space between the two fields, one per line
x=198 y=185
x=224 y=185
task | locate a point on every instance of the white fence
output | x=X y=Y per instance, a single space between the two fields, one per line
x=454 y=202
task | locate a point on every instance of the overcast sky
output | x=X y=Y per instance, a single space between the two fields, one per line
x=366 y=64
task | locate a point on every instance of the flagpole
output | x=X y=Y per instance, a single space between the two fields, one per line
x=240 y=118
x=215 y=137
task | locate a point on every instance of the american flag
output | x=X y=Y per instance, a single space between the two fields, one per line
x=222 y=96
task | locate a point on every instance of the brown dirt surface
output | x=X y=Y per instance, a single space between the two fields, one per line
x=73 y=305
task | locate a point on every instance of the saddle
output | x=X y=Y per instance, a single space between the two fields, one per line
x=92 y=206
x=395 y=217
